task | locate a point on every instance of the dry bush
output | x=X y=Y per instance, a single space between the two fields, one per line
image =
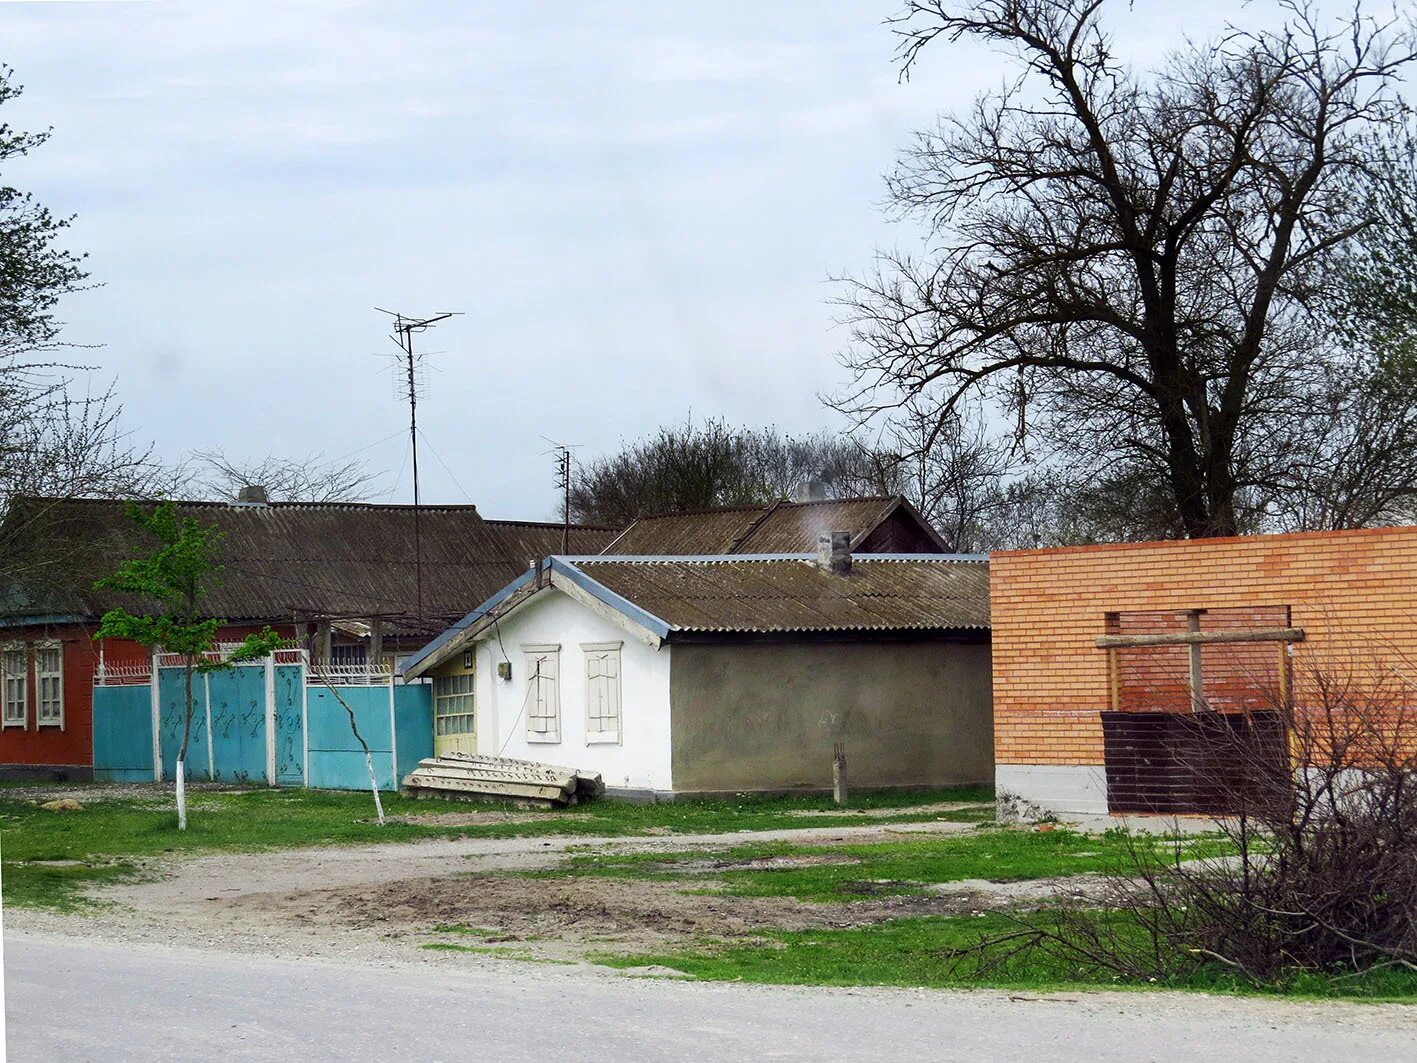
x=1321 y=874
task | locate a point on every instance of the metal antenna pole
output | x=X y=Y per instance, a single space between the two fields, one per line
x=563 y=483
x=404 y=328
x=565 y=464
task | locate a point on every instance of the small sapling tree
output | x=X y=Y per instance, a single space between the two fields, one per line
x=317 y=668
x=175 y=580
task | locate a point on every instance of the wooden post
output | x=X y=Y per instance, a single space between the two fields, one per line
x=376 y=645
x=839 y=773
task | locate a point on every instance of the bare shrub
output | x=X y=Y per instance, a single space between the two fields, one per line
x=1320 y=872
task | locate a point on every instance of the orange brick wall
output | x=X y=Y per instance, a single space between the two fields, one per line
x=1354 y=594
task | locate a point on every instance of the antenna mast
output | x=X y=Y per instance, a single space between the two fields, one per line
x=411 y=363
x=563 y=484
x=563 y=481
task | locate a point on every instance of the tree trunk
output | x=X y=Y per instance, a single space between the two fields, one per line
x=318 y=669
x=182 y=752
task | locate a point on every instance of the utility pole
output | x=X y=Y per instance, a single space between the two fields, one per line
x=404 y=330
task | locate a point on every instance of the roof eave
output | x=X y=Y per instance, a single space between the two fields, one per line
x=465 y=630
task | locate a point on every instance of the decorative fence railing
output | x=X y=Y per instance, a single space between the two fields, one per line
x=127 y=673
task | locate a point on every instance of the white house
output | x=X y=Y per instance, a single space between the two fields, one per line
x=715 y=674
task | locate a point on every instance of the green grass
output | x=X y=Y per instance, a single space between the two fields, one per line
x=107 y=835
x=913 y=952
x=898 y=868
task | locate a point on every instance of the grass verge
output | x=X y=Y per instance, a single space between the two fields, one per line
x=912 y=952
x=903 y=868
x=50 y=857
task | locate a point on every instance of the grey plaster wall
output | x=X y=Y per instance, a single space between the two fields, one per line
x=752 y=716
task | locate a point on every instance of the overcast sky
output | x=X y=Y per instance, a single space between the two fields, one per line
x=636 y=206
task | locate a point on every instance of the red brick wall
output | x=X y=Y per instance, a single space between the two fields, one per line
x=1354 y=594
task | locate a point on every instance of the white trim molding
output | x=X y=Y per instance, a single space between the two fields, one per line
x=7 y=677
x=55 y=717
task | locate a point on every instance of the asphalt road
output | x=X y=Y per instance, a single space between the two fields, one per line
x=67 y=999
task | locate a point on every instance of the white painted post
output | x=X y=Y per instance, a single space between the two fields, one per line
x=157 y=719
x=270 y=668
x=305 y=716
x=211 y=755
x=393 y=733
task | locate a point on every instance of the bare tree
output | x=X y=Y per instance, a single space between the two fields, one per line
x=954 y=469
x=313 y=478
x=1129 y=265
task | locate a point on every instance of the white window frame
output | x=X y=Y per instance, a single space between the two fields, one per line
x=56 y=720
x=543 y=691
x=601 y=688
x=439 y=698
x=7 y=677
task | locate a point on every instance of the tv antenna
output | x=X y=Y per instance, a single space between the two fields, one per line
x=411 y=366
x=563 y=484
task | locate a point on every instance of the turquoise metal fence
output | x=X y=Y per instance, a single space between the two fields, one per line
x=171 y=692
x=289 y=690
x=336 y=758
x=413 y=725
x=123 y=733
x=262 y=722
x=238 y=723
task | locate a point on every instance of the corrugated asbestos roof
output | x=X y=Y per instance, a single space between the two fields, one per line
x=883 y=592
x=778 y=527
x=280 y=560
x=665 y=597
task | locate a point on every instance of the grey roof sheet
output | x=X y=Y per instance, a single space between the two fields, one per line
x=883 y=592
x=281 y=560
x=777 y=527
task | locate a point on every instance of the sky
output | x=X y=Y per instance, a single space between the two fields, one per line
x=636 y=207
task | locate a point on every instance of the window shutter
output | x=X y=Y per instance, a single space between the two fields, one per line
x=543 y=696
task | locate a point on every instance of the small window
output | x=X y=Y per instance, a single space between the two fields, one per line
x=602 y=686
x=452 y=705
x=349 y=654
x=49 y=678
x=543 y=694
x=14 y=668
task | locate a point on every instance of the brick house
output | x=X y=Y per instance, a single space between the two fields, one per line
x=1091 y=638
x=342 y=573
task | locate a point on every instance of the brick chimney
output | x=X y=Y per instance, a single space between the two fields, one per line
x=834 y=552
x=252 y=495
x=810 y=491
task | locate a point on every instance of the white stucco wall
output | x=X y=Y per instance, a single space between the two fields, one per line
x=641 y=759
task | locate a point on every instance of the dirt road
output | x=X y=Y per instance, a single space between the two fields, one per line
x=379 y=903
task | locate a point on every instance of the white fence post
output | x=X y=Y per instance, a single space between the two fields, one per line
x=393 y=733
x=211 y=754
x=270 y=719
x=157 y=723
x=305 y=715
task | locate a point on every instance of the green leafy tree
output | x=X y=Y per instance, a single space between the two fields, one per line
x=175 y=579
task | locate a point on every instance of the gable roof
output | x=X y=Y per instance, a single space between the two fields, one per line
x=666 y=598
x=776 y=527
x=280 y=561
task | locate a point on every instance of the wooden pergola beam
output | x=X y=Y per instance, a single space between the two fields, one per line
x=1201 y=638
